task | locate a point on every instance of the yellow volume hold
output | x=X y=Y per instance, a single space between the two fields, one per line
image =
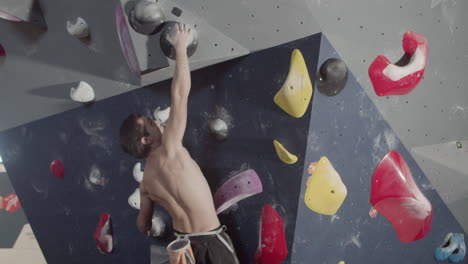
x=294 y=97
x=284 y=154
x=325 y=192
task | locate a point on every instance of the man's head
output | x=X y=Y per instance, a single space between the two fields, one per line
x=139 y=135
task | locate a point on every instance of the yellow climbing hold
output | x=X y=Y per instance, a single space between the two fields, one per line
x=325 y=191
x=283 y=154
x=341 y=262
x=294 y=96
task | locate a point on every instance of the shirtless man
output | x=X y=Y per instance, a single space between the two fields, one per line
x=171 y=177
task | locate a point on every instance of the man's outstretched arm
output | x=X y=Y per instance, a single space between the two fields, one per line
x=180 y=89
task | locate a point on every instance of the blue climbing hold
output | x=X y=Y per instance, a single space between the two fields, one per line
x=453 y=248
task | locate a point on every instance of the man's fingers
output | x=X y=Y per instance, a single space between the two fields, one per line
x=177 y=27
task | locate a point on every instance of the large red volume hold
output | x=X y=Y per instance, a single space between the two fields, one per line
x=395 y=195
x=272 y=248
x=390 y=79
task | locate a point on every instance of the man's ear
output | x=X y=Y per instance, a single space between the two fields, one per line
x=145 y=140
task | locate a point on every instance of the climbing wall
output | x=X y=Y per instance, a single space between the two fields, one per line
x=98 y=175
x=350 y=131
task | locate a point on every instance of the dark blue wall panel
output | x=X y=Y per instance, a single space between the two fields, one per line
x=64 y=213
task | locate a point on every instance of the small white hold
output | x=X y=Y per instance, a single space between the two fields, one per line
x=162 y=115
x=95 y=176
x=83 y=93
x=219 y=128
x=134 y=199
x=157 y=226
x=79 y=29
x=137 y=172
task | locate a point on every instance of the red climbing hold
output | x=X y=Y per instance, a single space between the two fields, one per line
x=11 y=203
x=57 y=169
x=390 y=79
x=395 y=195
x=272 y=248
x=103 y=234
x=2 y=51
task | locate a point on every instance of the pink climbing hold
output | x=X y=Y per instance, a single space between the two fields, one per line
x=390 y=79
x=103 y=234
x=272 y=248
x=125 y=40
x=9 y=17
x=57 y=169
x=10 y=203
x=241 y=186
x=395 y=195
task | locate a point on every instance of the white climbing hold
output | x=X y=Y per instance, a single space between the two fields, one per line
x=219 y=128
x=158 y=226
x=79 y=29
x=162 y=115
x=83 y=93
x=137 y=172
x=134 y=199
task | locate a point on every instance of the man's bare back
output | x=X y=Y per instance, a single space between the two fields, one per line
x=177 y=184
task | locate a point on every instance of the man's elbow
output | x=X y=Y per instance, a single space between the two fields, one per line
x=181 y=90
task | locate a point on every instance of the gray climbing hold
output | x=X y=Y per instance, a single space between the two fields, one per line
x=83 y=93
x=79 y=28
x=167 y=47
x=146 y=17
x=219 y=128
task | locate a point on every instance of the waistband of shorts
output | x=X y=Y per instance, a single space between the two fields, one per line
x=195 y=233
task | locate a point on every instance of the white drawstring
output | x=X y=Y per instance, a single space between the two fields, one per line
x=209 y=233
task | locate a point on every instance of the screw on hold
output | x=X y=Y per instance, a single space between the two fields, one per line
x=459 y=145
x=176 y=11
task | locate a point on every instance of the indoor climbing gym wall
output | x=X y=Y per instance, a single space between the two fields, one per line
x=328 y=131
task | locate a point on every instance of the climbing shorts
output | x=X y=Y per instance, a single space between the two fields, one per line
x=212 y=247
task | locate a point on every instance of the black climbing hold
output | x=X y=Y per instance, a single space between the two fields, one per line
x=176 y=11
x=168 y=49
x=146 y=17
x=332 y=77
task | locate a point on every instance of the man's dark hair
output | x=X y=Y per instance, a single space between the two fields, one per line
x=131 y=133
